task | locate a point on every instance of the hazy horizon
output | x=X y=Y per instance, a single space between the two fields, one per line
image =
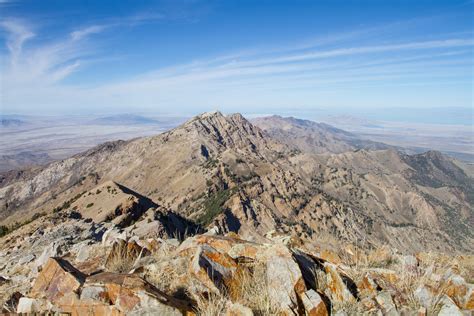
x=188 y=57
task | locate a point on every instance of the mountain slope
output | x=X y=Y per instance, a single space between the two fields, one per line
x=312 y=137
x=224 y=171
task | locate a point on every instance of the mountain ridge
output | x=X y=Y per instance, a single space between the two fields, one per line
x=225 y=171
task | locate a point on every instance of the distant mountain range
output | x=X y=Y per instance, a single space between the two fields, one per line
x=275 y=174
x=124 y=119
x=309 y=136
x=6 y=122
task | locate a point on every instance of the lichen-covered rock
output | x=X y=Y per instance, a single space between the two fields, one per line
x=57 y=278
x=213 y=268
x=284 y=278
x=368 y=284
x=469 y=297
x=337 y=289
x=313 y=304
x=309 y=266
x=126 y=293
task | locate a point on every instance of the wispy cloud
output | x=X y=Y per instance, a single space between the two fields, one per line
x=18 y=35
x=82 y=33
x=35 y=73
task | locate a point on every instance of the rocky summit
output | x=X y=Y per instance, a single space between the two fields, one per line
x=223 y=216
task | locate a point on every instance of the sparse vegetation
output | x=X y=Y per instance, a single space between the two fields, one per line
x=121 y=258
x=5 y=230
x=213 y=205
x=68 y=203
x=89 y=205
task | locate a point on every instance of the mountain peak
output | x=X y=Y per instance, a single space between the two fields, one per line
x=211 y=114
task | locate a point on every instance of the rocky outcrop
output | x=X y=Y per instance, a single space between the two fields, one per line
x=232 y=276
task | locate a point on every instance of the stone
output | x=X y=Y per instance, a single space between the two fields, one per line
x=313 y=304
x=27 y=305
x=71 y=305
x=448 y=307
x=456 y=288
x=385 y=301
x=284 y=278
x=368 y=284
x=127 y=294
x=11 y=304
x=213 y=268
x=111 y=235
x=57 y=278
x=53 y=250
x=26 y=259
x=236 y=309
x=469 y=298
x=83 y=253
x=337 y=289
x=424 y=296
x=308 y=266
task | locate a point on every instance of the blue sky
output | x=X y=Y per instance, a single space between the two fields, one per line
x=186 y=57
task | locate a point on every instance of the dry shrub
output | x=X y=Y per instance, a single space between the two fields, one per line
x=251 y=289
x=167 y=270
x=122 y=257
x=409 y=281
x=211 y=304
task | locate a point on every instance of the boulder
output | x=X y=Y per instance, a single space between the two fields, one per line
x=385 y=301
x=309 y=266
x=448 y=307
x=212 y=268
x=313 y=304
x=115 y=293
x=73 y=306
x=27 y=305
x=53 y=250
x=337 y=288
x=456 y=288
x=284 y=278
x=57 y=278
x=32 y=306
x=424 y=296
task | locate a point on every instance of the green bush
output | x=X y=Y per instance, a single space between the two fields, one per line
x=213 y=205
x=4 y=230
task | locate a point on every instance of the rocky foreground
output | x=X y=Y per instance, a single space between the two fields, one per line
x=84 y=268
